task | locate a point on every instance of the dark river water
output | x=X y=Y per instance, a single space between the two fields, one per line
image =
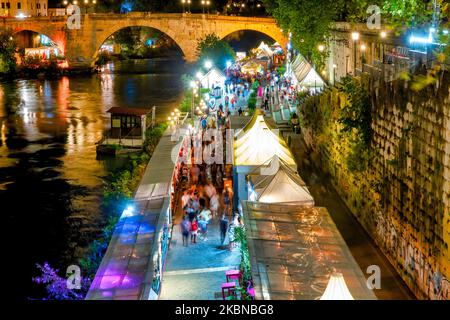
x=50 y=178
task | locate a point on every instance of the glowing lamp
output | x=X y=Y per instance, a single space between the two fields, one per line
x=199 y=75
x=337 y=289
x=229 y=64
x=383 y=34
x=208 y=64
x=355 y=36
x=363 y=47
x=321 y=47
x=128 y=212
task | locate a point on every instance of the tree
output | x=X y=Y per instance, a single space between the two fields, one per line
x=218 y=51
x=8 y=49
x=308 y=21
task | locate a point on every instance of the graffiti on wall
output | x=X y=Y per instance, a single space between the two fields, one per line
x=402 y=247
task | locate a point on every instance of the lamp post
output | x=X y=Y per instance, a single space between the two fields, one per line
x=334 y=73
x=204 y=3
x=383 y=35
x=363 y=56
x=194 y=92
x=183 y=2
x=355 y=37
x=88 y=3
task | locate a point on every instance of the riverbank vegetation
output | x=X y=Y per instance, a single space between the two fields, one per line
x=8 y=49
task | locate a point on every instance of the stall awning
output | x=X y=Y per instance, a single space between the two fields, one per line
x=294 y=250
x=256 y=144
x=285 y=186
x=304 y=74
x=214 y=77
x=264 y=50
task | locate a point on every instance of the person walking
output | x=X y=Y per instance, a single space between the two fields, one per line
x=214 y=205
x=194 y=230
x=185 y=228
x=223 y=228
x=204 y=217
x=227 y=201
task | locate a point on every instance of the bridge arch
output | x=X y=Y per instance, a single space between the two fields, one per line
x=272 y=32
x=103 y=36
x=57 y=37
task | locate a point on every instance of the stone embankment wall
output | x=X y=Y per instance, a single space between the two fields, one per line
x=402 y=196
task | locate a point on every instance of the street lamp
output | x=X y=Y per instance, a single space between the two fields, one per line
x=363 y=57
x=321 y=47
x=355 y=37
x=194 y=92
x=205 y=3
x=383 y=36
x=208 y=64
x=334 y=73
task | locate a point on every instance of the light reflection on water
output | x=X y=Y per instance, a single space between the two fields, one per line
x=49 y=171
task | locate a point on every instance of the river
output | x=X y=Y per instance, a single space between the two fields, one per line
x=50 y=177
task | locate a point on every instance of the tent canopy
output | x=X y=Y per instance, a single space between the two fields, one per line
x=256 y=144
x=264 y=50
x=253 y=66
x=214 y=77
x=337 y=289
x=304 y=74
x=286 y=186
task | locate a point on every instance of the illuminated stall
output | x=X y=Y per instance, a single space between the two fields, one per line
x=293 y=251
x=254 y=146
x=337 y=289
x=214 y=78
x=304 y=77
x=286 y=186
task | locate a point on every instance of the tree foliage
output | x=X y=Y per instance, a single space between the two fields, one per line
x=8 y=50
x=307 y=20
x=218 y=51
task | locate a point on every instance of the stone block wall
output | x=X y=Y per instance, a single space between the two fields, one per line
x=402 y=199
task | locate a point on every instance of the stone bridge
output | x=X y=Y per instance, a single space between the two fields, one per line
x=80 y=46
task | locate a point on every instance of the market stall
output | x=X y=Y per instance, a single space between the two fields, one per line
x=286 y=186
x=303 y=76
x=253 y=66
x=293 y=251
x=215 y=78
x=254 y=146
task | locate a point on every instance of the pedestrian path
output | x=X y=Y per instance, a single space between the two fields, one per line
x=197 y=271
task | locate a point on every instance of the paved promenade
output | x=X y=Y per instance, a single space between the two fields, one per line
x=196 y=272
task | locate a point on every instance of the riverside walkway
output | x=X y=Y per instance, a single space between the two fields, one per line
x=133 y=265
x=196 y=272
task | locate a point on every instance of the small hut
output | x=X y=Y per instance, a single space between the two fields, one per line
x=128 y=126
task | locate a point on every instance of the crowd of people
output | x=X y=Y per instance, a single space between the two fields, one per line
x=205 y=198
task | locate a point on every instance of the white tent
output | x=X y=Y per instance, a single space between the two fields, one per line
x=214 y=77
x=256 y=144
x=286 y=186
x=304 y=75
x=337 y=289
x=264 y=51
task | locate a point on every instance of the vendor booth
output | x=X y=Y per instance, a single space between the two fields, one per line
x=286 y=186
x=264 y=51
x=213 y=79
x=304 y=77
x=254 y=146
x=253 y=66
